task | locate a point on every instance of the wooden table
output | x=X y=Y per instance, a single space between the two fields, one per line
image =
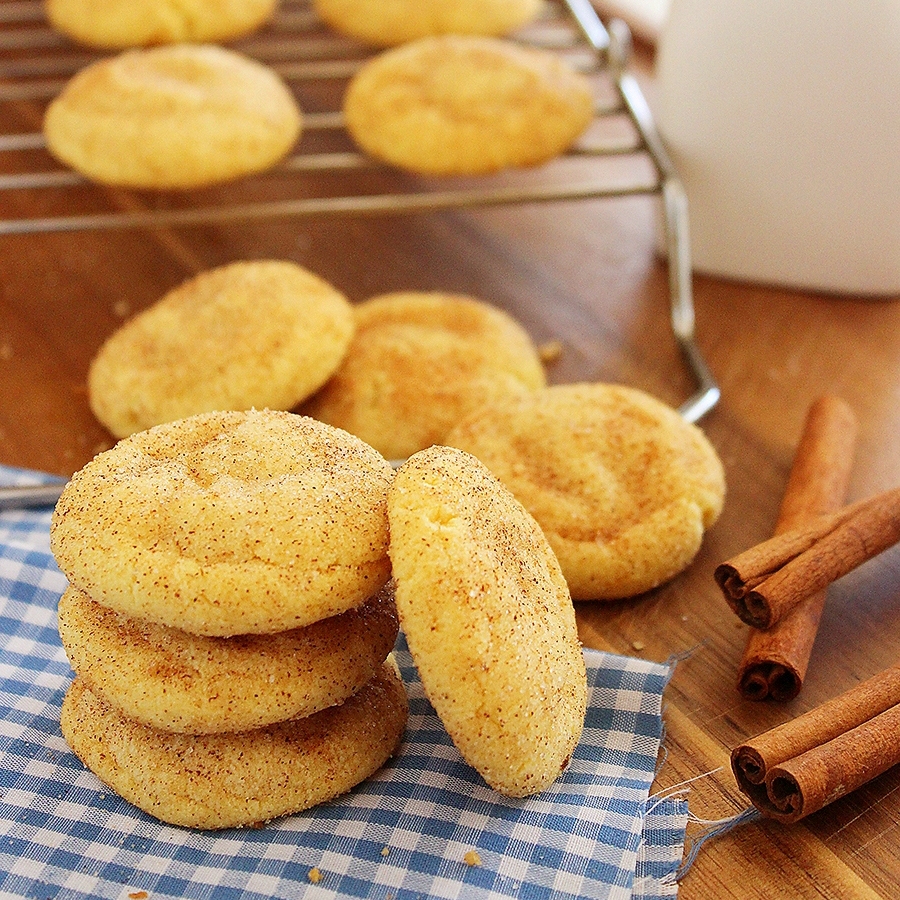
x=586 y=274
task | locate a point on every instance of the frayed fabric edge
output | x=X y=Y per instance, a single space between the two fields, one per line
x=715 y=827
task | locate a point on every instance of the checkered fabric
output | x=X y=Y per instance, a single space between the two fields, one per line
x=404 y=834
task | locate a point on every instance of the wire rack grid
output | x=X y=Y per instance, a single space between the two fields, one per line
x=326 y=174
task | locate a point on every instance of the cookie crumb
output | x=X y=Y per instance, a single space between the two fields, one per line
x=385 y=851
x=638 y=645
x=315 y=875
x=550 y=352
x=472 y=858
x=138 y=895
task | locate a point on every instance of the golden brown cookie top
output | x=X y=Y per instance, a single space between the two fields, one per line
x=118 y=24
x=263 y=333
x=621 y=484
x=488 y=618
x=228 y=523
x=177 y=116
x=456 y=105
x=421 y=361
x=389 y=22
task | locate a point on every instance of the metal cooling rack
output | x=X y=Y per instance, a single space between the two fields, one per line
x=35 y=62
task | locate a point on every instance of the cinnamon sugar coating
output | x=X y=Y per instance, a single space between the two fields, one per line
x=177 y=116
x=621 y=484
x=169 y=679
x=389 y=22
x=419 y=362
x=489 y=620
x=460 y=105
x=242 y=778
x=228 y=523
x=260 y=333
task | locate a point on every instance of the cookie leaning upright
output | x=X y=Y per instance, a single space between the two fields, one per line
x=488 y=618
x=464 y=105
x=228 y=523
x=261 y=333
x=177 y=116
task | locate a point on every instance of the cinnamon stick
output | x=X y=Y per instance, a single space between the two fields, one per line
x=803 y=765
x=762 y=584
x=774 y=663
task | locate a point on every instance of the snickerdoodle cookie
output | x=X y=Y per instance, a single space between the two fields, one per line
x=421 y=361
x=118 y=24
x=228 y=523
x=387 y=22
x=621 y=484
x=460 y=105
x=262 y=334
x=177 y=116
x=169 y=679
x=488 y=618
x=244 y=778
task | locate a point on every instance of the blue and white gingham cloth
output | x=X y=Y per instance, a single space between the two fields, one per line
x=403 y=834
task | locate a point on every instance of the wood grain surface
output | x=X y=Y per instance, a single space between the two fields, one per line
x=587 y=274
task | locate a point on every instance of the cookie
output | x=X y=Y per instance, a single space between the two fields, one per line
x=621 y=484
x=262 y=334
x=488 y=619
x=175 y=681
x=238 y=779
x=179 y=116
x=418 y=363
x=388 y=22
x=119 y=24
x=459 y=105
x=228 y=523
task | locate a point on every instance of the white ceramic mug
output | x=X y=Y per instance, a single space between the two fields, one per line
x=783 y=120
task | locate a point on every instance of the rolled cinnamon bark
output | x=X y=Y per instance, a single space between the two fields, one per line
x=797 y=768
x=807 y=783
x=774 y=663
x=764 y=583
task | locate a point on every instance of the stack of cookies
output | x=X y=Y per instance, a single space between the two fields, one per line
x=229 y=617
